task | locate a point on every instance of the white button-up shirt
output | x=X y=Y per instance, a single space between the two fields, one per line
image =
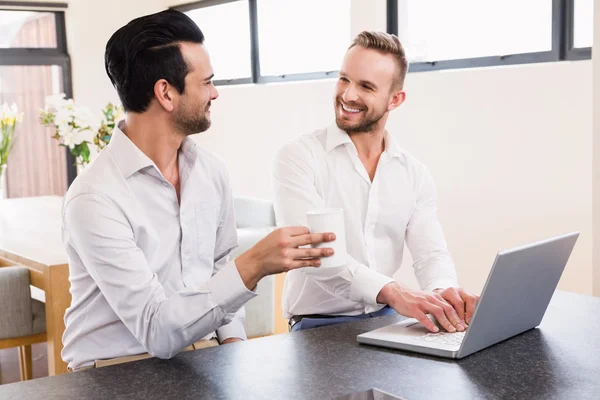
x=322 y=170
x=149 y=274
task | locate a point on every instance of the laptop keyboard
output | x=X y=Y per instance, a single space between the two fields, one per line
x=448 y=338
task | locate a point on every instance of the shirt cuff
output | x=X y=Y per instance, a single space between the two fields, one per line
x=440 y=284
x=367 y=284
x=228 y=289
x=234 y=329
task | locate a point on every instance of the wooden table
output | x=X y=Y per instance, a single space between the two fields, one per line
x=30 y=235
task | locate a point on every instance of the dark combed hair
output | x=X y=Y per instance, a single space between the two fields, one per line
x=147 y=50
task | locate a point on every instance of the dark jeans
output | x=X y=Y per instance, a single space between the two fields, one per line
x=312 y=322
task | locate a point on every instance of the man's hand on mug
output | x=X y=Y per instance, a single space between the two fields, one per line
x=464 y=303
x=417 y=304
x=279 y=252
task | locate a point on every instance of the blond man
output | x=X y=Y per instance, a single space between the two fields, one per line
x=388 y=197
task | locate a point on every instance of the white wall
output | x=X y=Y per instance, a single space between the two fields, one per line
x=510 y=148
x=596 y=149
x=510 y=151
x=90 y=23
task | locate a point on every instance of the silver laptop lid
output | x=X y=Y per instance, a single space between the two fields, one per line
x=517 y=292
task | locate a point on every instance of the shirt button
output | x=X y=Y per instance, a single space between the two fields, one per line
x=165 y=184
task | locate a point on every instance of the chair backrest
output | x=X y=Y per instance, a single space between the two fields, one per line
x=253 y=213
x=255 y=219
x=15 y=303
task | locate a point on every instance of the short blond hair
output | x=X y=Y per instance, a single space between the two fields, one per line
x=385 y=43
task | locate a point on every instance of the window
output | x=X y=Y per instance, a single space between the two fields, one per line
x=256 y=41
x=440 y=34
x=583 y=24
x=34 y=64
x=226 y=27
x=437 y=31
x=42 y=25
x=473 y=28
x=302 y=37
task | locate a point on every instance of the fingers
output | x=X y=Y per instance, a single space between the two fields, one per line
x=452 y=316
x=439 y=313
x=314 y=262
x=295 y=230
x=454 y=298
x=311 y=253
x=311 y=238
x=470 y=304
x=426 y=322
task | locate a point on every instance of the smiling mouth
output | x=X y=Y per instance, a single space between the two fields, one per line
x=350 y=110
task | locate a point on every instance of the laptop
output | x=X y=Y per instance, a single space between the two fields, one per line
x=514 y=299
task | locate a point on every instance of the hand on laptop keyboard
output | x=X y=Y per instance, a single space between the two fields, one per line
x=440 y=326
x=437 y=323
x=417 y=303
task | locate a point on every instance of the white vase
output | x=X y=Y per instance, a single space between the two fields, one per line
x=3 y=187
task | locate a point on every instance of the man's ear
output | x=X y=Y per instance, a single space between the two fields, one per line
x=397 y=100
x=163 y=92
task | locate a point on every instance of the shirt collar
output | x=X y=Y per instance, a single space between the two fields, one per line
x=189 y=151
x=337 y=137
x=392 y=147
x=131 y=159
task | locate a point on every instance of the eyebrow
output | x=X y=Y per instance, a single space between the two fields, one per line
x=209 y=78
x=369 y=83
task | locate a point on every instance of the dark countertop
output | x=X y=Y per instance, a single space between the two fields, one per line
x=559 y=360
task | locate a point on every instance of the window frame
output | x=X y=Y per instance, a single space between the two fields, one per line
x=570 y=51
x=256 y=77
x=197 y=5
x=562 y=43
x=57 y=56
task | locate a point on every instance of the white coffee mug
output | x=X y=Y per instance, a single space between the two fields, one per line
x=329 y=220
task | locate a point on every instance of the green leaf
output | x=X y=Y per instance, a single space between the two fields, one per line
x=82 y=150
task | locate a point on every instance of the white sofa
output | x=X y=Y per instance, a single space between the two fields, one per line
x=255 y=219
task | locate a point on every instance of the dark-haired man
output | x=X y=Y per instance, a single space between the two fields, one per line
x=149 y=226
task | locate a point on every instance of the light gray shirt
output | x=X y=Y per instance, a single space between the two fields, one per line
x=149 y=274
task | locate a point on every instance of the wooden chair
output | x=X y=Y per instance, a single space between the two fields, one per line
x=22 y=319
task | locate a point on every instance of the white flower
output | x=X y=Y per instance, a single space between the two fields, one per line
x=5 y=111
x=62 y=118
x=83 y=118
x=67 y=141
x=10 y=115
x=69 y=104
x=55 y=102
x=118 y=115
x=70 y=137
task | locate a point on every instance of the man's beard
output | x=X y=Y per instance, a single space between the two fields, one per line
x=365 y=124
x=189 y=122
